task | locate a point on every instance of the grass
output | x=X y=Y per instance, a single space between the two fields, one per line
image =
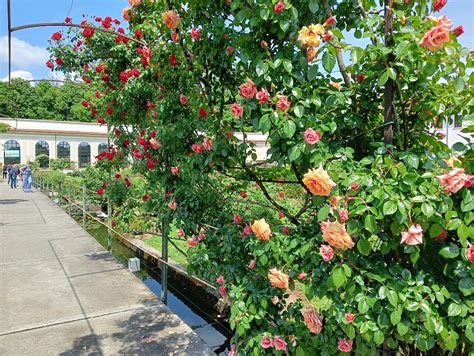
x=173 y=253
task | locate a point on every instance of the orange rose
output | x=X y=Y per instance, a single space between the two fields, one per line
x=311 y=54
x=436 y=37
x=313 y=320
x=126 y=14
x=134 y=3
x=450 y=162
x=318 y=181
x=310 y=36
x=261 y=229
x=336 y=85
x=278 y=278
x=336 y=235
x=171 y=19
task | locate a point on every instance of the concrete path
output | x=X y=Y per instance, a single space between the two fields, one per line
x=61 y=293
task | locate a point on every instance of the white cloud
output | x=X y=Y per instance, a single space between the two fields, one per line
x=23 y=74
x=23 y=53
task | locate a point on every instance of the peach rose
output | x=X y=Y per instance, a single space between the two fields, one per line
x=261 y=229
x=310 y=36
x=470 y=253
x=318 y=181
x=344 y=345
x=311 y=136
x=155 y=143
x=207 y=143
x=134 y=2
x=126 y=14
x=266 y=342
x=313 y=320
x=236 y=110
x=455 y=180
x=414 y=235
x=171 y=19
x=326 y=253
x=442 y=21
x=336 y=85
x=336 y=235
x=278 y=279
x=283 y=103
x=450 y=162
x=311 y=54
x=248 y=89
x=262 y=96
x=279 y=343
x=436 y=37
x=349 y=317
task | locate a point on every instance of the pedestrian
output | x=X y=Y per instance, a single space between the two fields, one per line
x=27 y=178
x=9 y=173
x=14 y=174
x=4 y=172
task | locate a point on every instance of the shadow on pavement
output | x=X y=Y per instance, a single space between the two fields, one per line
x=11 y=201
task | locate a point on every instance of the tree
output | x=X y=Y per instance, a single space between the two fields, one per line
x=375 y=247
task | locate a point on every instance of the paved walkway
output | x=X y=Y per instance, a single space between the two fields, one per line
x=61 y=293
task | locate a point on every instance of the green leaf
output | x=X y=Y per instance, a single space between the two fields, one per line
x=329 y=61
x=395 y=317
x=363 y=306
x=369 y=223
x=261 y=68
x=289 y=128
x=294 y=153
x=392 y=73
x=389 y=207
x=288 y=66
x=312 y=73
x=338 y=277
x=450 y=251
x=313 y=6
x=392 y=297
x=378 y=337
x=402 y=328
x=466 y=286
x=264 y=123
x=364 y=246
x=383 y=79
x=427 y=210
x=454 y=309
x=299 y=111
x=323 y=213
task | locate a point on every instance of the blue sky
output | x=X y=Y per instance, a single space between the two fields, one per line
x=29 y=46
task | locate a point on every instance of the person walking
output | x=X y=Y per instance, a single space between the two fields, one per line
x=4 y=172
x=14 y=174
x=9 y=174
x=27 y=178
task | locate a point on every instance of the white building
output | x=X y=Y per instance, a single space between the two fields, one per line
x=78 y=141
x=26 y=139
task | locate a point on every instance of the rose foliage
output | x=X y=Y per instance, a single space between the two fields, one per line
x=359 y=240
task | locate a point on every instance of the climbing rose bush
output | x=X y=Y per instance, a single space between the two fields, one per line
x=357 y=235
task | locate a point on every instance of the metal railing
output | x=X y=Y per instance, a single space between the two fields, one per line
x=78 y=199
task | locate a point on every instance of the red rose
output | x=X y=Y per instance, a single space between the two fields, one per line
x=98 y=19
x=439 y=4
x=117 y=176
x=88 y=32
x=202 y=113
x=59 y=61
x=197 y=148
x=458 y=31
x=195 y=34
x=97 y=94
x=106 y=24
x=105 y=78
x=360 y=78
x=278 y=7
x=243 y=194
x=329 y=21
x=229 y=50
x=173 y=60
x=145 y=197
x=67 y=20
x=50 y=64
x=139 y=34
x=85 y=103
x=100 y=191
x=327 y=37
x=56 y=36
x=100 y=120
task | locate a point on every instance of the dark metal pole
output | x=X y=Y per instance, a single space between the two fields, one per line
x=388 y=92
x=9 y=41
x=109 y=206
x=164 y=266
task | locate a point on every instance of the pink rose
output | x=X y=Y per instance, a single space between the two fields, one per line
x=192 y=242
x=263 y=96
x=279 y=7
x=181 y=233
x=248 y=89
x=301 y=276
x=246 y=231
x=442 y=236
x=436 y=37
x=251 y=264
x=195 y=34
x=311 y=136
x=326 y=252
x=155 y=143
x=313 y=320
x=237 y=219
x=458 y=31
x=285 y=230
x=414 y=235
x=220 y=279
x=183 y=99
x=344 y=345
x=197 y=148
x=279 y=343
x=470 y=253
x=266 y=342
x=343 y=215
x=355 y=186
x=232 y=351
x=454 y=180
x=441 y=21
x=236 y=110
x=172 y=205
x=207 y=143
x=222 y=291
x=329 y=21
x=283 y=103
x=349 y=317
x=439 y=4
x=174 y=170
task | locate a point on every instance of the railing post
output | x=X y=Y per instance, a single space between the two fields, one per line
x=69 y=199
x=109 y=225
x=60 y=194
x=164 y=266
x=84 y=192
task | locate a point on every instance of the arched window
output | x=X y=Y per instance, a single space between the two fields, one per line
x=11 y=152
x=103 y=147
x=42 y=148
x=84 y=154
x=64 y=150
